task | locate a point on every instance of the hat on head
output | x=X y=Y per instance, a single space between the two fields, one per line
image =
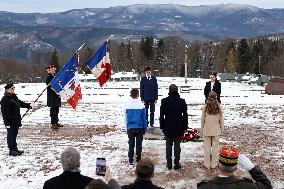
x=9 y=85
x=50 y=66
x=228 y=155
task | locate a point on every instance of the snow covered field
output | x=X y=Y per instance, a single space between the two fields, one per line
x=253 y=122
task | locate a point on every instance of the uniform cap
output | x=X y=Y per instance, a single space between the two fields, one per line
x=50 y=66
x=228 y=155
x=9 y=85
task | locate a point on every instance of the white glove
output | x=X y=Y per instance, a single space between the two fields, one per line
x=245 y=162
x=32 y=105
x=7 y=126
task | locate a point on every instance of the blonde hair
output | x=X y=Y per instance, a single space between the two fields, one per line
x=212 y=105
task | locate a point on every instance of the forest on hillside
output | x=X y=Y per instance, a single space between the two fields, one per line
x=167 y=57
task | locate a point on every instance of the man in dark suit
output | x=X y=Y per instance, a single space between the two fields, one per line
x=53 y=99
x=71 y=177
x=145 y=172
x=213 y=85
x=149 y=93
x=10 y=108
x=229 y=157
x=173 y=123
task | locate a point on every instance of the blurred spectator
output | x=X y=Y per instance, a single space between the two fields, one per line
x=144 y=172
x=212 y=126
x=228 y=160
x=71 y=177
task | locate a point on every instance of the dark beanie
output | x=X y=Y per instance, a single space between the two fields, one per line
x=9 y=85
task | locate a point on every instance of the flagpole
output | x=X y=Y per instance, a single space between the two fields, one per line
x=77 y=51
x=81 y=67
x=35 y=100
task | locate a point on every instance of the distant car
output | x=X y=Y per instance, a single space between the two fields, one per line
x=275 y=86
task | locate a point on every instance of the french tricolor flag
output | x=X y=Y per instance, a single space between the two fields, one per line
x=99 y=64
x=66 y=83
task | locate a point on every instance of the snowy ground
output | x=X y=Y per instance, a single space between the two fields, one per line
x=253 y=122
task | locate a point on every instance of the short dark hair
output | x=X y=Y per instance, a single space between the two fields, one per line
x=173 y=88
x=145 y=168
x=148 y=68
x=134 y=93
x=97 y=184
x=214 y=73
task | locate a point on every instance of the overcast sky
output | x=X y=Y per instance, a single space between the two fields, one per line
x=63 y=5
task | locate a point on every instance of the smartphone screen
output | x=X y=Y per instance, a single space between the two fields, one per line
x=101 y=166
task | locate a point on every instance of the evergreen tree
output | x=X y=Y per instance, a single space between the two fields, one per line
x=54 y=59
x=243 y=57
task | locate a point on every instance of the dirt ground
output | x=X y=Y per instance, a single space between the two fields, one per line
x=262 y=144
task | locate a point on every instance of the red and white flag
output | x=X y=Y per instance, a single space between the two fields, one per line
x=99 y=64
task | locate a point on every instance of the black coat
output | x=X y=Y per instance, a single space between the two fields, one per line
x=216 y=89
x=173 y=115
x=232 y=182
x=52 y=98
x=10 y=108
x=141 y=184
x=148 y=89
x=67 y=180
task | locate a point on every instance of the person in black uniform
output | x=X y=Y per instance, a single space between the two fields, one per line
x=53 y=99
x=228 y=159
x=213 y=85
x=10 y=108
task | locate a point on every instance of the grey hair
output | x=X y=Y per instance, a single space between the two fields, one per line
x=70 y=159
x=227 y=169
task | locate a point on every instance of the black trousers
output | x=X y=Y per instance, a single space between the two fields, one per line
x=170 y=141
x=12 y=133
x=54 y=111
x=151 y=104
x=132 y=135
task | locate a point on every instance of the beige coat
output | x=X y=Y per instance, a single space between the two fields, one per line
x=212 y=125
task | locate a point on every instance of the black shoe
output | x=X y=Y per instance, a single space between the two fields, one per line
x=58 y=125
x=14 y=153
x=20 y=151
x=54 y=127
x=131 y=163
x=177 y=167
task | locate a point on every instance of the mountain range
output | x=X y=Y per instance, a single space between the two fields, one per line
x=23 y=33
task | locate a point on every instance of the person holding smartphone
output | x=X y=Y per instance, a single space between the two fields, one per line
x=136 y=124
x=99 y=183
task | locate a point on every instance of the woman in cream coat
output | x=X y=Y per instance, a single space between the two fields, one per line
x=212 y=125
